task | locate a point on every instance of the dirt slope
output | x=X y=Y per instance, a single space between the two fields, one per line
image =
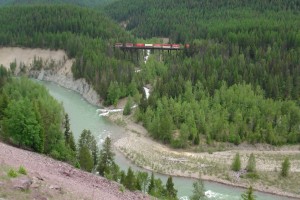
x=77 y=183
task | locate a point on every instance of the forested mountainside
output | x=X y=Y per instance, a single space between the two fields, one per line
x=83 y=33
x=32 y=119
x=239 y=81
x=218 y=19
x=252 y=41
x=89 y=3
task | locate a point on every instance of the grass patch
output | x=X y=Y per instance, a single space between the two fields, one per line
x=120 y=122
x=12 y=173
x=22 y=170
x=122 y=188
x=252 y=175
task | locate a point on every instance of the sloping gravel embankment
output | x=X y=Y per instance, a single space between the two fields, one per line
x=79 y=183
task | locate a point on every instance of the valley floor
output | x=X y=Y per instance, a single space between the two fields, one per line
x=213 y=162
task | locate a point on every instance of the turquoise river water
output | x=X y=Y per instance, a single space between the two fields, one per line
x=84 y=116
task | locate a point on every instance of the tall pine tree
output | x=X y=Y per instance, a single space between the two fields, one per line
x=106 y=159
x=171 y=191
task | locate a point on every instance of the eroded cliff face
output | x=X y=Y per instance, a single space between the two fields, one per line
x=67 y=81
x=47 y=65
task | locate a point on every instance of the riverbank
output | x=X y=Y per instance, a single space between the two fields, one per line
x=213 y=166
x=47 y=65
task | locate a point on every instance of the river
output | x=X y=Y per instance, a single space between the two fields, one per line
x=84 y=116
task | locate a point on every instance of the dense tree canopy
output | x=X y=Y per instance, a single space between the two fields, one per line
x=31 y=118
x=84 y=34
x=235 y=41
x=90 y=3
x=239 y=80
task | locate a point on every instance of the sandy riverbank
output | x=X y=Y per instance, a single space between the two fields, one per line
x=214 y=166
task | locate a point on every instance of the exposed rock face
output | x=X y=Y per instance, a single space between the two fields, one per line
x=22 y=183
x=67 y=81
x=48 y=65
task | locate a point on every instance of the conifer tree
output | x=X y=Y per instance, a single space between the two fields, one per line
x=87 y=139
x=285 y=167
x=69 y=137
x=85 y=159
x=130 y=180
x=106 y=159
x=251 y=166
x=127 y=108
x=171 y=191
x=198 y=191
x=236 y=164
x=248 y=195
x=151 y=187
x=67 y=129
x=144 y=179
x=72 y=143
x=122 y=177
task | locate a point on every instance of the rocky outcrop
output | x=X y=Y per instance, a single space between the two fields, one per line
x=67 y=81
x=22 y=183
x=48 y=65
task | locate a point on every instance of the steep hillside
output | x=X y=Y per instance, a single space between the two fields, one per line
x=84 y=34
x=89 y=3
x=55 y=180
x=236 y=80
x=187 y=20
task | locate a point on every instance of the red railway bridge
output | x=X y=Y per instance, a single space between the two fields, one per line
x=134 y=48
x=151 y=46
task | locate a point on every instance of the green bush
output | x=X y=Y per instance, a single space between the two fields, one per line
x=285 y=167
x=12 y=173
x=122 y=188
x=22 y=170
x=252 y=175
x=127 y=108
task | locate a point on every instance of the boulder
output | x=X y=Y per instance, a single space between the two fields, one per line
x=1 y=185
x=22 y=183
x=55 y=187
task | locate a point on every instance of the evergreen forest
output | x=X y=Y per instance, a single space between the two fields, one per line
x=32 y=119
x=239 y=80
x=83 y=33
x=87 y=3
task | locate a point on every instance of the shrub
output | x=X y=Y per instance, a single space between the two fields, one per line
x=285 y=167
x=122 y=188
x=252 y=175
x=22 y=170
x=12 y=173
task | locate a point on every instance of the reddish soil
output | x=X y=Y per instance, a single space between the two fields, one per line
x=58 y=174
